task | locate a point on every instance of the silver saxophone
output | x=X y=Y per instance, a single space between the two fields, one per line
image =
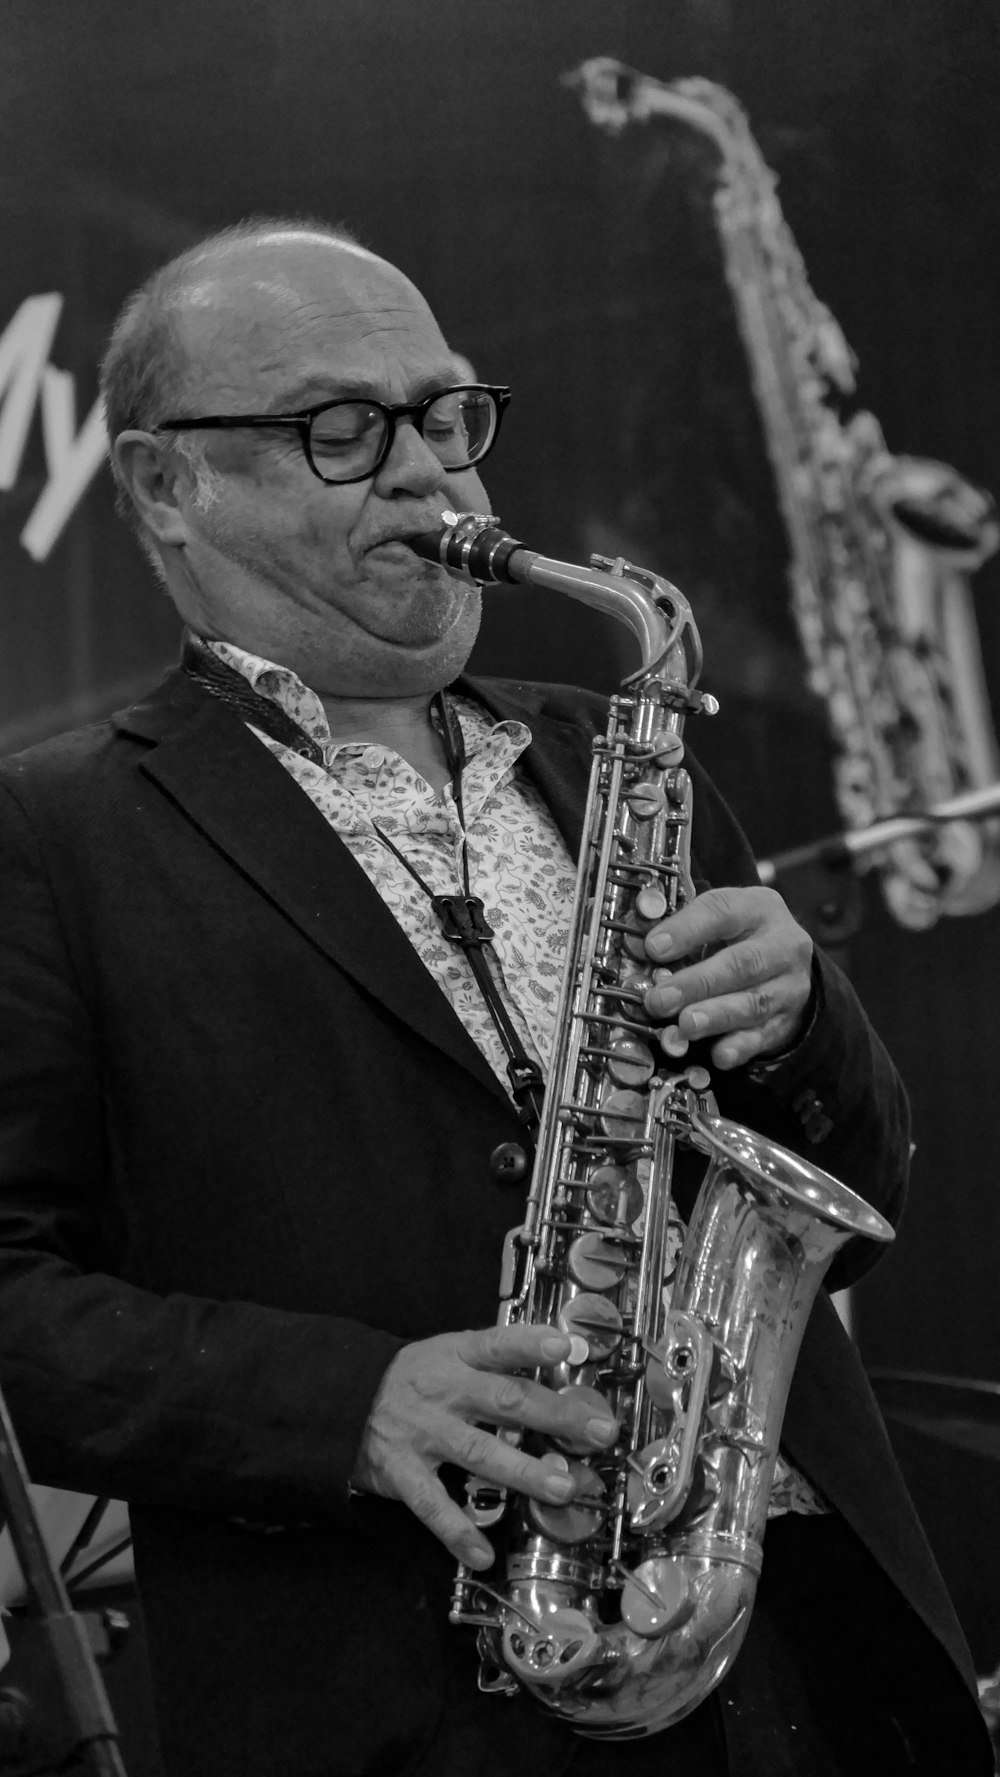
x=882 y=547
x=622 y=1610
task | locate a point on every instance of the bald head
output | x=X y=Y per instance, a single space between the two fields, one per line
x=235 y=292
x=263 y=277
x=267 y=251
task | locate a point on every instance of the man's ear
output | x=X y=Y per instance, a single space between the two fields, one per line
x=157 y=479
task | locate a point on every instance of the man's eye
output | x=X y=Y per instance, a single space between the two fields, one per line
x=327 y=445
x=344 y=426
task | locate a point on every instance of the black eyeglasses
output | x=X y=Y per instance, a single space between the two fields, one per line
x=349 y=439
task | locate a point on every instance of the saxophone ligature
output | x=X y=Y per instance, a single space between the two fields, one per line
x=622 y=1610
x=882 y=547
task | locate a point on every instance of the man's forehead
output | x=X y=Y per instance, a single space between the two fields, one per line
x=267 y=277
x=292 y=307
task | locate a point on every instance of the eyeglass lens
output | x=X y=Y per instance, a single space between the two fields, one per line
x=346 y=440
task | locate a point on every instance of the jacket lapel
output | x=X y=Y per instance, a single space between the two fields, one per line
x=243 y=800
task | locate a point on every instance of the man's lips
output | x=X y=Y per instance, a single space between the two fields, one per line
x=401 y=550
x=404 y=537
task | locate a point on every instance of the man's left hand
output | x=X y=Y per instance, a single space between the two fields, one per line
x=752 y=987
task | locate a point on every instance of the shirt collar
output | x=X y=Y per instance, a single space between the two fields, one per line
x=281 y=685
x=305 y=707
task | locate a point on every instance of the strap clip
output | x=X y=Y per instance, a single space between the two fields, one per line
x=462 y=919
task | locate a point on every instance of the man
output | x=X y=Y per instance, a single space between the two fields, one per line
x=250 y=1093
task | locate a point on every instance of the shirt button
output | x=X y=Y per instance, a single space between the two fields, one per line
x=372 y=758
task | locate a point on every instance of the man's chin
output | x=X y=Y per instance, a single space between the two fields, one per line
x=422 y=651
x=423 y=610
x=444 y=649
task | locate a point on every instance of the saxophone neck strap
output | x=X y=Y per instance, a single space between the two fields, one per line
x=230 y=687
x=461 y=917
x=463 y=922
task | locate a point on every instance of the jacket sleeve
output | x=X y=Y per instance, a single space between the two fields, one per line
x=223 y=1405
x=836 y=1098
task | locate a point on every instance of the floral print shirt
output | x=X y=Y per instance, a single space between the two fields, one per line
x=518 y=864
x=518 y=861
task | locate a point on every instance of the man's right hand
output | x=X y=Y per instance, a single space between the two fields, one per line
x=433 y=1403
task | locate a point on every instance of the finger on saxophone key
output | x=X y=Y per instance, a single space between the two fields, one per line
x=601 y=1431
x=660 y=1000
x=582 y=1484
x=585 y=1421
x=559 y=1483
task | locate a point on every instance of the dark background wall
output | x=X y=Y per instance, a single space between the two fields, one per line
x=585 y=272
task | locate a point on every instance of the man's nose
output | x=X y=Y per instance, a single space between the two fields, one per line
x=411 y=466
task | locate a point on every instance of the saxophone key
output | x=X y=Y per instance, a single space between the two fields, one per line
x=614 y=1194
x=657 y=1597
x=646 y=801
x=565 y=1524
x=651 y=901
x=669 y=1036
x=594 y=1325
x=486 y=1509
x=623 y=1113
x=657 y=1483
x=563 y=1644
x=596 y=1262
x=629 y=1060
x=578 y=1521
x=579 y=1444
x=678 y=788
x=666 y=748
x=633 y=930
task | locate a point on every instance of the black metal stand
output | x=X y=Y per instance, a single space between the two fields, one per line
x=819 y=880
x=88 y=1733
x=825 y=894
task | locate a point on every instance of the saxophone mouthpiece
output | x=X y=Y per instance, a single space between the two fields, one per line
x=475 y=545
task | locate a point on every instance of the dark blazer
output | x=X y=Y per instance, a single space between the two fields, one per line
x=244 y=1155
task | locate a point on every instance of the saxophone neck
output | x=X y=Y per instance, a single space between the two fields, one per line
x=657 y=614
x=614 y=95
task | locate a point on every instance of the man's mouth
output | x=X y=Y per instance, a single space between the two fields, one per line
x=403 y=539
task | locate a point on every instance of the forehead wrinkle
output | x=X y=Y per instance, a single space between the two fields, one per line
x=284 y=305
x=281 y=335
x=272 y=341
x=323 y=384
